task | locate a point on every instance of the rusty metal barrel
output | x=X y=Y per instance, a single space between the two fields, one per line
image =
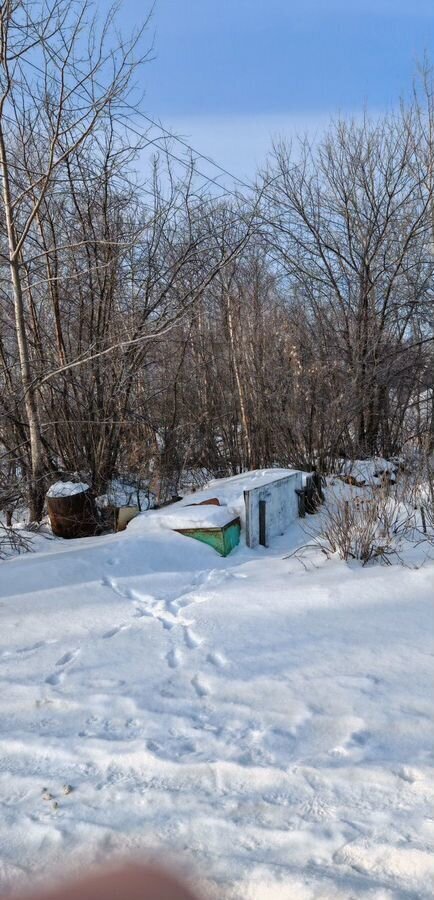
x=73 y=515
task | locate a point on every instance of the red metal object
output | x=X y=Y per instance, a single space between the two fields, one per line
x=73 y=516
x=214 y=501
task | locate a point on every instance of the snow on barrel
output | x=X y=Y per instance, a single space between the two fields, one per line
x=72 y=510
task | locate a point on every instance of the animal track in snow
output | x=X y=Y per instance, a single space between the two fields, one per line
x=216 y=577
x=141 y=613
x=55 y=678
x=62 y=664
x=113 y=561
x=108 y=581
x=202 y=690
x=167 y=613
x=217 y=659
x=168 y=692
x=67 y=658
x=156 y=609
x=187 y=599
x=166 y=619
x=366 y=684
x=24 y=650
x=133 y=594
x=174 y=658
x=361 y=738
x=191 y=639
x=113 y=631
x=33 y=647
x=167 y=623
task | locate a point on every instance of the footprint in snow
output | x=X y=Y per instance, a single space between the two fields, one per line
x=67 y=658
x=134 y=594
x=140 y=613
x=174 y=658
x=217 y=659
x=167 y=622
x=187 y=600
x=30 y=649
x=216 y=577
x=114 y=631
x=361 y=738
x=191 y=639
x=55 y=678
x=166 y=619
x=62 y=663
x=202 y=690
x=167 y=692
x=108 y=581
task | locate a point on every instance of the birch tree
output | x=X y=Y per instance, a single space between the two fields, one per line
x=62 y=75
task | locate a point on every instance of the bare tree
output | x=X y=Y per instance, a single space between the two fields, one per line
x=61 y=77
x=350 y=222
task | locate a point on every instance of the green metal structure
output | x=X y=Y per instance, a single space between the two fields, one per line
x=222 y=539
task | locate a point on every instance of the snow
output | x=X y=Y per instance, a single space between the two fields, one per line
x=122 y=493
x=370 y=471
x=188 y=513
x=230 y=491
x=67 y=489
x=181 y=516
x=265 y=720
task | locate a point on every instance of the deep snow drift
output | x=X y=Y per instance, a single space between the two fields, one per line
x=266 y=720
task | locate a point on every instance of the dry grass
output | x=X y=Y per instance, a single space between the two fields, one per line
x=370 y=525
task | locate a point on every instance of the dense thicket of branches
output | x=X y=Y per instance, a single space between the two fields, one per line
x=150 y=329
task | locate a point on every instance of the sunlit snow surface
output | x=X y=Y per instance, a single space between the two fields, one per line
x=265 y=720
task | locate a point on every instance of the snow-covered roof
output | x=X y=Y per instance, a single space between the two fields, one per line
x=177 y=516
x=229 y=492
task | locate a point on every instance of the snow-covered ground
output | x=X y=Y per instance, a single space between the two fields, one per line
x=370 y=471
x=266 y=720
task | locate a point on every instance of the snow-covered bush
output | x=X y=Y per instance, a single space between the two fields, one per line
x=368 y=523
x=356 y=528
x=127 y=490
x=423 y=499
x=373 y=471
x=375 y=520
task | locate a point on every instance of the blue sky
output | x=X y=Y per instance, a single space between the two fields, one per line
x=230 y=74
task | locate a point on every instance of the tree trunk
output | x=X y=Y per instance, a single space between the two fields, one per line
x=36 y=487
x=244 y=420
